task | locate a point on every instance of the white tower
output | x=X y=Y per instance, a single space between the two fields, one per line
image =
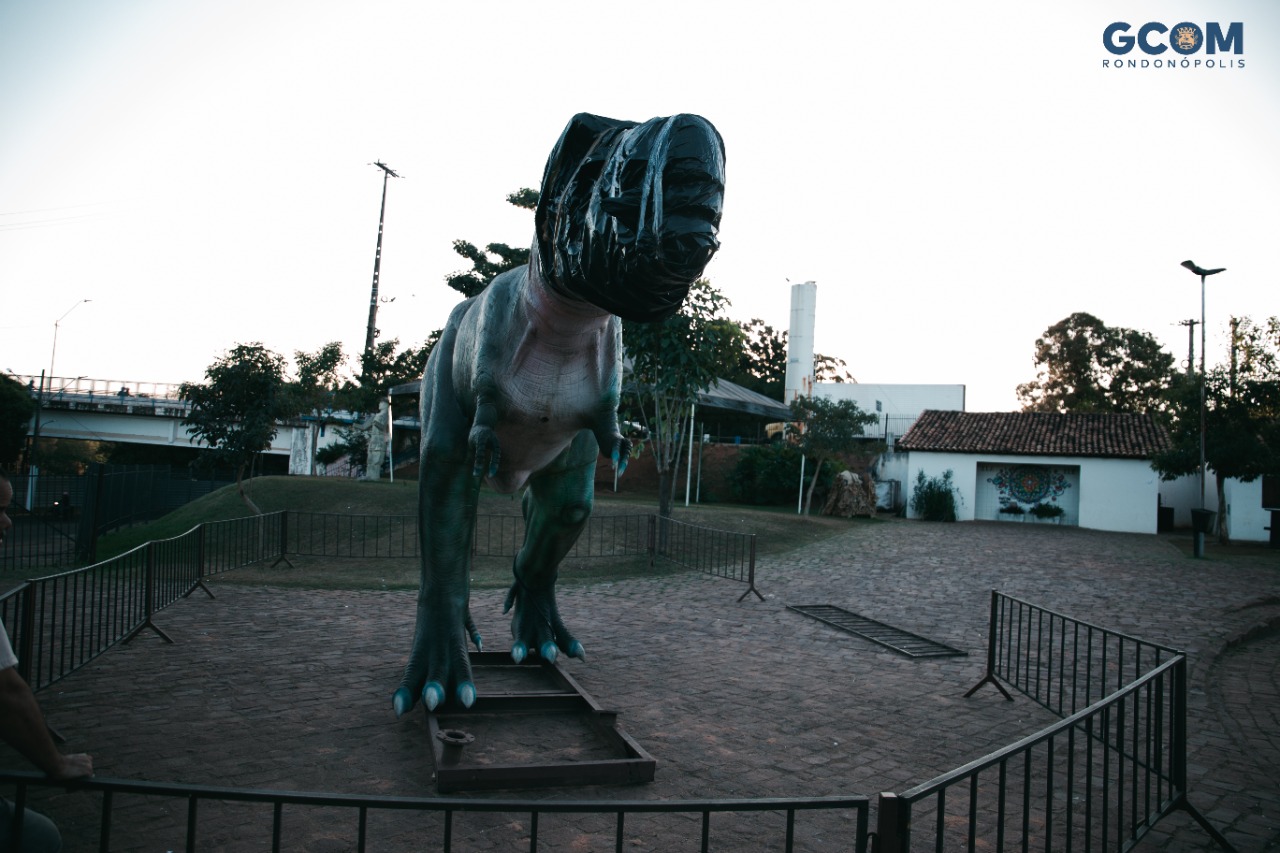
x=804 y=311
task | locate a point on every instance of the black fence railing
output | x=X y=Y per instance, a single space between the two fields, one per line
x=1099 y=779
x=60 y=622
x=58 y=518
x=352 y=831
x=721 y=553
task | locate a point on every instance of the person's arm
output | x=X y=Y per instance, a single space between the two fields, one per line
x=23 y=727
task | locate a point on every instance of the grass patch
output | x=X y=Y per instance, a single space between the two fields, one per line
x=777 y=531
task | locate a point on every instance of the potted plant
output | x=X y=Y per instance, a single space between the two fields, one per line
x=1013 y=509
x=1045 y=512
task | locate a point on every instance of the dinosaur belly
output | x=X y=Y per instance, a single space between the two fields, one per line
x=542 y=419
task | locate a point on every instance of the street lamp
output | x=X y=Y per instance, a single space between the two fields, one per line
x=1199 y=525
x=56 y=323
x=35 y=430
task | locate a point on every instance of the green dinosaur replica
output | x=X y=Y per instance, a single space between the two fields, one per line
x=522 y=389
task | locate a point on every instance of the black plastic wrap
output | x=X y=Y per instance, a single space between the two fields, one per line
x=629 y=212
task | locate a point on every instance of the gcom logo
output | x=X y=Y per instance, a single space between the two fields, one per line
x=1185 y=38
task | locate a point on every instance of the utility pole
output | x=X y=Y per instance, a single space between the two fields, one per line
x=1191 y=344
x=371 y=331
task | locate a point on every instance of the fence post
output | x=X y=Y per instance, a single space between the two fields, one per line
x=751 y=569
x=993 y=625
x=284 y=541
x=893 y=824
x=26 y=641
x=653 y=539
x=149 y=593
x=199 y=565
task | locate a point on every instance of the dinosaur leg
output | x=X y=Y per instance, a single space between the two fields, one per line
x=438 y=665
x=556 y=508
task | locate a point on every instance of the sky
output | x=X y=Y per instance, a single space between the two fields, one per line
x=955 y=177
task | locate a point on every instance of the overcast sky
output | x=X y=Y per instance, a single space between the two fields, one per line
x=955 y=177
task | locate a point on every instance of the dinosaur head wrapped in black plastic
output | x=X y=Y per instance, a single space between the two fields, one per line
x=629 y=212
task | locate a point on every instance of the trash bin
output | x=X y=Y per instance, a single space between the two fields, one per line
x=1202 y=520
x=1164 y=519
x=1201 y=525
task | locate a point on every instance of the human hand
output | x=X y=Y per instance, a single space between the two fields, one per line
x=72 y=767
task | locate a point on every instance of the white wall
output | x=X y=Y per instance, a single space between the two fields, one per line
x=1246 y=519
x=1115 y=494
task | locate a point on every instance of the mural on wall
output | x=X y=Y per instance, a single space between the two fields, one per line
x=1030 y=484
x=1031 y=489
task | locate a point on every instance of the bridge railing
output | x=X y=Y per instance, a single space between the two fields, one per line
x=67 y=386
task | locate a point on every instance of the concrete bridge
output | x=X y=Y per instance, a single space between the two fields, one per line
x=151 y=413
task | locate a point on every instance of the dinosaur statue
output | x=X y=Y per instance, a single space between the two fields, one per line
x=522 y=389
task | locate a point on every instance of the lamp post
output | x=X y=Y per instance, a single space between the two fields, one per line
x=32 y=458
x=371 y=329
x=1200 y=522
x=56 y=323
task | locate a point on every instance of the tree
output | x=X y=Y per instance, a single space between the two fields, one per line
x=483 y=266
x=385 y=367
x=1242 y=413
x=828 y=368
x=236 y=413
x=16 y=410
x=1083 y=365
x=672 y=360
x=762 y=364
x=316 y=388
x=825 y=429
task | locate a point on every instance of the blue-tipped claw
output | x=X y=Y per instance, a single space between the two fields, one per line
x=622 y=467
x=549 y=651
x=518 y=652
x=479 y=643
x=467 y=694
x=577 y=651
x=402 y=701
x=432 y=695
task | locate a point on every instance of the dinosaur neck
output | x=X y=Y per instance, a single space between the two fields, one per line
x=560 y=321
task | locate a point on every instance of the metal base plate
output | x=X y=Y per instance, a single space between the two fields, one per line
x=533 y=727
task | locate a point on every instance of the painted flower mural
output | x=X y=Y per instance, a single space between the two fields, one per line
x=1029 y=484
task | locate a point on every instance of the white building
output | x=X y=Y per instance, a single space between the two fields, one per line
x=1095 y=467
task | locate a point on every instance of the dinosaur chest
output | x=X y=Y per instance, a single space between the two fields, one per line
x=546 y=396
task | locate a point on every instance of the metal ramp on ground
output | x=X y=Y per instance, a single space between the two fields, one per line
x=903 y=642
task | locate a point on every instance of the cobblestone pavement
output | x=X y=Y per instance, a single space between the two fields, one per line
x=279 y=689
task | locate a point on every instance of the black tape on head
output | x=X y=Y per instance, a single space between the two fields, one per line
x=629 y=212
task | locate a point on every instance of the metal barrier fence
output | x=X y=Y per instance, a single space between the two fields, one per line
x=38 y=540
x=60 y=622
x=713 y=552
x=439 y=835
x=1099 y=779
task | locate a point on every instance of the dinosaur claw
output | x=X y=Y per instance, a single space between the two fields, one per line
x=549 y=651
x=432 y=695
x=479 y=642
x=576 y=651
x=467 y=694
x=622 y=467
x=518 y=652
x=402 y=701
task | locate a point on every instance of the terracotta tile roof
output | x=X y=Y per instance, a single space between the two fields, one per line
x=1039 y=433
